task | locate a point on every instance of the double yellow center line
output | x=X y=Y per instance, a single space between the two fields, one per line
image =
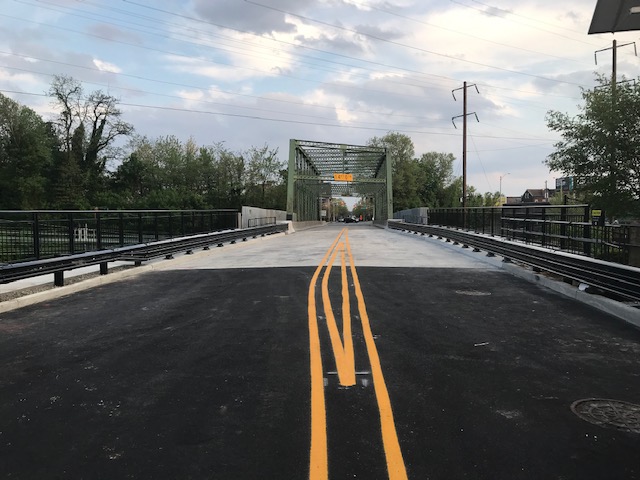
x=345 y=362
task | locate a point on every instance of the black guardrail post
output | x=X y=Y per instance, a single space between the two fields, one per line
x=586 y=231
x=36 y=235
x=140 y=229
x=98 y=230
x=544 y=227
x=71 y=234
x=121 y=229
x=563 y=227
x=155 y=226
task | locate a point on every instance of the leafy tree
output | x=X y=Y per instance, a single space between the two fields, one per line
x=452 y=194
x=600 y=147
x=87 y=127
x=339 y=209
x=405 y=171
x=263 y=174
x=436 y=173
x=363 y=208
x=27 y=147
x=491 y=199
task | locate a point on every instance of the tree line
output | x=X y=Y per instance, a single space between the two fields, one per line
x=89 y=157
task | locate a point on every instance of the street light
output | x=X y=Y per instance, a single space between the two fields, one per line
x=501 y=177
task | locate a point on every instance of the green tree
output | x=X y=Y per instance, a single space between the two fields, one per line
x=452 y=194
x=363 y=208
x=27 y=147
x=405 y=169
x=491 y=199
x=600 y=147
x=262 y=176
x=436 y=174
x=88 y=127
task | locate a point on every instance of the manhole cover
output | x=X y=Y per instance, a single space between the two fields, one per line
x=473 y=293
x=609 y=413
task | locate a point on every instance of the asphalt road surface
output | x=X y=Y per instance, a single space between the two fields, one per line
x=325 y=354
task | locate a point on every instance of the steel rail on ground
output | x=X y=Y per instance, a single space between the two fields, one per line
x=619 y=280
x=136 y=253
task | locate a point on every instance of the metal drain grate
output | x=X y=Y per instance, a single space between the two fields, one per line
x=609 y=413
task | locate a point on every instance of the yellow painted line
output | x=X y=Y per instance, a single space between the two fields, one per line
x=345 y=363
x=395 y=463
x=318 y=463
x=346 y=320
x=342 y=352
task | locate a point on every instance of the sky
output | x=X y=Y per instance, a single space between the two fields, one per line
x=260 y=72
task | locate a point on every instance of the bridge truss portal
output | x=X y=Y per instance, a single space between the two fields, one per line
x=320 y=171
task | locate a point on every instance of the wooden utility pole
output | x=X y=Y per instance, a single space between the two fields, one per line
x=614 y=82
x=464 y=141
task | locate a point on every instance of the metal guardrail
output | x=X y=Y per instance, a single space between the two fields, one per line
x=261 y=221
x=617 y=280
x=40 y=234
x=565 y=227
x=135 y=253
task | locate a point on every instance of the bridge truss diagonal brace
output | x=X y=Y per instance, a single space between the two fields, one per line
x=315 y=166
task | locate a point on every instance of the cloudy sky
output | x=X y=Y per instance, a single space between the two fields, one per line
x=256 y=72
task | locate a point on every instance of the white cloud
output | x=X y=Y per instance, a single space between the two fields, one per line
x=342 y=78
x=106 y=66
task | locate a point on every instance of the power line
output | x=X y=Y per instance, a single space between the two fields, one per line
x=490 y=13
x=277 y=120
x=205 y=90
x=392 y=42
x=295 y=45
x=466 y=34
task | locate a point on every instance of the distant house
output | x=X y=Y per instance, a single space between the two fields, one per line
x=537 y=195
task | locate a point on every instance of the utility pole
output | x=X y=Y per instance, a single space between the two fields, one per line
x=614 y=67
x=614 y=82
x=464 y=141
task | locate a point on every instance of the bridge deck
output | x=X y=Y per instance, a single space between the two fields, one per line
x=328 y=353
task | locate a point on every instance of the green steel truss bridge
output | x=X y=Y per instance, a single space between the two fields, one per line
x=319 y=171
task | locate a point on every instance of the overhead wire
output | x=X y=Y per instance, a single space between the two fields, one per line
x=265 y=110
x=406 y=116
x=464 y=33
x=186 y=17
x=412 y=47
x=232 y=49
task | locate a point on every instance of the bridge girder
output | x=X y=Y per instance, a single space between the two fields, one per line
x=313 y=167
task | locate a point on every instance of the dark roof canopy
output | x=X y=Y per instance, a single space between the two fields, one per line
x=615 y=16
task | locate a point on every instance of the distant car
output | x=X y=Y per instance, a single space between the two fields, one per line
x=349 y=220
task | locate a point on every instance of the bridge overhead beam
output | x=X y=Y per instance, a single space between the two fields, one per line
x=321 y=170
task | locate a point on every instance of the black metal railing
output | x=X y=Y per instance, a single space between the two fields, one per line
x=36 y=235
x=418 y=219
x=562 y=227
x=261 y=221
x=139 y=253
x=619 y=281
